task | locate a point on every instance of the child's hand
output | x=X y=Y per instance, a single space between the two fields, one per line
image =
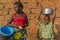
x=20 y=27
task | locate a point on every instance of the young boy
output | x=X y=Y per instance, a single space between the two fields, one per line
x=46 y=27
x=19 y=19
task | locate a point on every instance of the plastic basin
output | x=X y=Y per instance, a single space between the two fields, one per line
x=6 y=31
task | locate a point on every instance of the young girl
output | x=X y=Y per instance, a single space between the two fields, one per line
x=46 y=27
x=19 y=19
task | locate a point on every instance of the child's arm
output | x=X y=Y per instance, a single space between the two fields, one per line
x=39 y=17
x=10 y=20
x=53 y=17
x=26 y=22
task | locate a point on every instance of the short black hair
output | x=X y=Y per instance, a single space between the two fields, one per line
x=48 y=17
x=19 y=4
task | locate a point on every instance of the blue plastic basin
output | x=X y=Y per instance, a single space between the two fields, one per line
x=6 y=31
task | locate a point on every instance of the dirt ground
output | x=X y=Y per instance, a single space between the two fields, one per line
x=32 y=8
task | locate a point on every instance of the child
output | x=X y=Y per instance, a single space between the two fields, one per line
x=19 y=19
x=46 y=27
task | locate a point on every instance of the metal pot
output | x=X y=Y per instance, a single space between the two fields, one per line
x=47 y=11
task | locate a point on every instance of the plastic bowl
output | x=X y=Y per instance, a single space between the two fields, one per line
x=6 y=31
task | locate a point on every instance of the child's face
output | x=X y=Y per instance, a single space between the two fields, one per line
x=46 y=20
x=17 y=8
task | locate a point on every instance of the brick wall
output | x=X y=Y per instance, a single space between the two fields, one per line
x=32 y=8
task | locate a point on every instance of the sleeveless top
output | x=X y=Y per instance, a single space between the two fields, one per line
x=19 y=20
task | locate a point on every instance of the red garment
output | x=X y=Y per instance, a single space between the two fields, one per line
x=19 y=21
